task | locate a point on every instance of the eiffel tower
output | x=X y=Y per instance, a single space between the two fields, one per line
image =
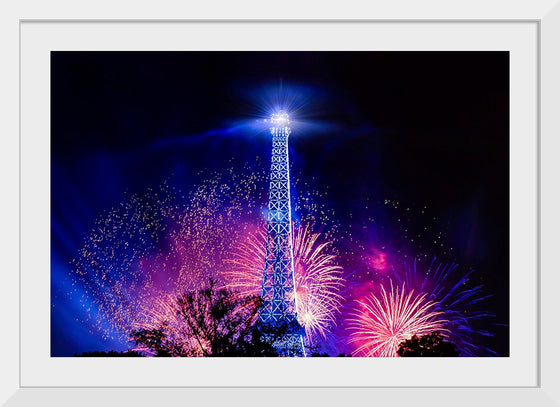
x=278 y=289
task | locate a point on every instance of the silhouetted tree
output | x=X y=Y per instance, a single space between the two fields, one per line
x=319 y=355
x=429 y=345
x=111 y=353
x=157 y=341
x=216 y=323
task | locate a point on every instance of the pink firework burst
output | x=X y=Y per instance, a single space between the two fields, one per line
x=318 y=276
x=381 y=321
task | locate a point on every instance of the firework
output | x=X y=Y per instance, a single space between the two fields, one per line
x=165 y=242
x=105 y=275
x=160 y=243
x=455 y=292
x=318 y=277
x=459 y=301
x=381 y=321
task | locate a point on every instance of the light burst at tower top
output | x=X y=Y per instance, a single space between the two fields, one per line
x=280 y=119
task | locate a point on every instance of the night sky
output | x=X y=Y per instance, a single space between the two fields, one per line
x=429 y=130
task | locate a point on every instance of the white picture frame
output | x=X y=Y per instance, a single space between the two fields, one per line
x=545 y=16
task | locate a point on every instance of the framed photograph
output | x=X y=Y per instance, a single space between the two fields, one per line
x=199 y=197
x=290 y=214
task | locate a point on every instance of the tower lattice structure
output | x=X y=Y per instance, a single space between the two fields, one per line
x=278 y=289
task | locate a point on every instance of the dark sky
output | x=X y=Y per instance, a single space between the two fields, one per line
x=424 y=128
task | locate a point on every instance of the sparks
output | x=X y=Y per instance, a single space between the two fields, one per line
x=317 y=274
x=380 y=322
x=460 y=302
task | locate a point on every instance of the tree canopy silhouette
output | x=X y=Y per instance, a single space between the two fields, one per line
x=110 y=354
x=215 y=322
x=430 y=345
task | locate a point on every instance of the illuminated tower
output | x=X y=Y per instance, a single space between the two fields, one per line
x=278 y=289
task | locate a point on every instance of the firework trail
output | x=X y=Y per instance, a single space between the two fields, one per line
x=317 y=275
x=380 y=322
x=456 y=298
x=453 y=291
x=163 y=243
x=105 y=271
x=159 y=243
